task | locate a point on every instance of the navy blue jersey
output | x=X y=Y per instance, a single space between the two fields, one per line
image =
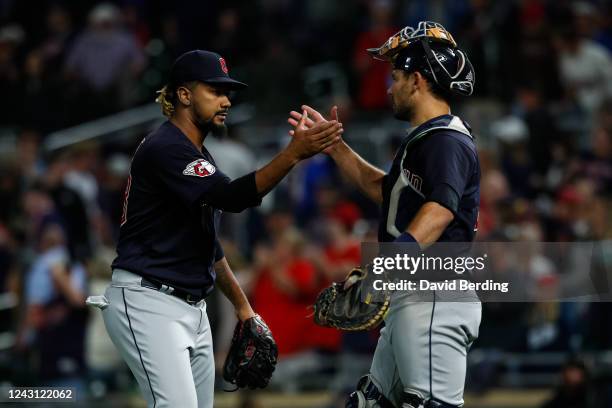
x=169 y=224
x=437 y=161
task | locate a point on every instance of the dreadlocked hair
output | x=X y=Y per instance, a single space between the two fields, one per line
x=166 y=98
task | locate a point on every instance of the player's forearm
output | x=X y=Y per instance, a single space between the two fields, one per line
x=227 y=282
x=247 y=191
x=429 y=223
x=272 y=173
x=365 y=176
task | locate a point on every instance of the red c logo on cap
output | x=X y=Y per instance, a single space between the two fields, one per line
x=223 y=65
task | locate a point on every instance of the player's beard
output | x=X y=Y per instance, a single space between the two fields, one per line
x=208 y=125
x=403 y=104
x=403 y=112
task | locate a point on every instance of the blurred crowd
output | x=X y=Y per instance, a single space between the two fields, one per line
x=542 y=113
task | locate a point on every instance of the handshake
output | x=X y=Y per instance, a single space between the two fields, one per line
x=312 y=133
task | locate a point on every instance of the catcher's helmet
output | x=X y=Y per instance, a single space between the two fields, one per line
x=431 y=50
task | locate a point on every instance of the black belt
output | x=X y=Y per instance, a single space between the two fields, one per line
x=181 y=294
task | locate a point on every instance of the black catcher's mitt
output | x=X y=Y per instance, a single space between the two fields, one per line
x=252 y=355
x=343 y=306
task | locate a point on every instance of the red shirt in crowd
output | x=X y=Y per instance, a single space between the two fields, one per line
x=374 y=75
x=288 y=314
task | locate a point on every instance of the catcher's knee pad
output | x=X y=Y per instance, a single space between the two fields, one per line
x=367 y=395
x=414 y=400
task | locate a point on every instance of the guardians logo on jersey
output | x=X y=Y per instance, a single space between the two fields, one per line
x=199 y=168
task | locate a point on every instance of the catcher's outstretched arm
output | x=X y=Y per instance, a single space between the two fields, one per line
x=226 y=281
x=367 y=177
x=364 y=175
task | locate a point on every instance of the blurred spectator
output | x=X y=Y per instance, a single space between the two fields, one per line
x=55 y=314
x=238 y=160
x=541 y=283
x=585 y=69
x=599 y=217
x=44 y=97
x=574 y=390
x=112 y=191
x=134 y=23
x=38 y=212
x=530 y=106
x=603 y=33
x=536 y=62
x=374 y=76
x=593 y=21
x=506 y=323
x=276 y=69
x=313 y=183
x=81 y=177
x=105 y=60
x=598 y=326
x=342 y=252
x=564 y=215
x=70 y=207
x=493 y=190
x=228 y=24
x=58 y=38
x=604 y=116
x=486 y=26
x=9 y=190
x=512 y=134
x=334 y=216
x=170 y=37
x=83 y=160
x=561 y=154
x=595 y=165
x=11 y=37
x=8 y=280
x=287 y=285
x=7 y=257
x=449 y=13
x=28 y=150
x=569 y=213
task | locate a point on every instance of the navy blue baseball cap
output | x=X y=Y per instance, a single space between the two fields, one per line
x=205 y=66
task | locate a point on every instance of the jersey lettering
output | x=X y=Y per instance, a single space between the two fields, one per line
x=415 y=180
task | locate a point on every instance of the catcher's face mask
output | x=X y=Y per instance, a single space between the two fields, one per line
x=431 y=50
x=427 y=30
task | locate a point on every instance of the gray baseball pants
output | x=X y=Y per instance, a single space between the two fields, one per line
x=423 y=347
x=165 y=341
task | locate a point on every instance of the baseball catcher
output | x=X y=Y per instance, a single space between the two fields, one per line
x=430 y=194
